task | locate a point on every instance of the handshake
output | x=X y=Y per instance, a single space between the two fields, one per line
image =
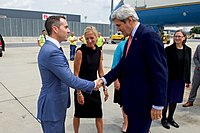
x=98 y=84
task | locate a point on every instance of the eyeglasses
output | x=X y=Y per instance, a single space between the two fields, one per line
x=178 y=36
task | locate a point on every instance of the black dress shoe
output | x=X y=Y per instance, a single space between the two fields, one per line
x=173 y=123
x=165 y=124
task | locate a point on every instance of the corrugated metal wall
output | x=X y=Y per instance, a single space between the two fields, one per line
x=33 y=27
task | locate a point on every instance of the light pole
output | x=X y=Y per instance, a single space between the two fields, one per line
x=85 y=18
x=111 y=24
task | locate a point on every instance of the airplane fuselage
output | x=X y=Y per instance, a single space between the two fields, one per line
x=179 y=14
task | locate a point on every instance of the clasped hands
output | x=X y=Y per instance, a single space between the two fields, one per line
x=99 y=83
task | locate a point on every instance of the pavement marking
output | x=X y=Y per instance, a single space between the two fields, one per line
x=17 y=99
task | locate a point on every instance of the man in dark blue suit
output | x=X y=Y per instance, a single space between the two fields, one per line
x=56 y=78
x=142 y=71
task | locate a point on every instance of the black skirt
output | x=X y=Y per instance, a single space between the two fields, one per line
x=92 y=106
x=118 y=97
x=175 y=91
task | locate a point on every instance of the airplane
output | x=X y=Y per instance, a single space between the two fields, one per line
x=159 y=14
x=179 y=14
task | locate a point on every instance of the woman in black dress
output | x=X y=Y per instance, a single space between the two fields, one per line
x=88 y=61
x=179 y=64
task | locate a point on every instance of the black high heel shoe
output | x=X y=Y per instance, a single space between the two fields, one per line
x=165 y=124
x=124 y=128
x=173 y=123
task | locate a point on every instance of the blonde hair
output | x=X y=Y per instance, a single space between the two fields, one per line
x=91 y=28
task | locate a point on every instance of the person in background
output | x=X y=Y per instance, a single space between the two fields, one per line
x=72 y=40
x=117 y=92
x=100 y=41
x=54 y=98
x=2 y=45
x=88 y=61
x=142 y=71
x=195 y=79
x=42 y=38
x=82 y=39
x=179 y=64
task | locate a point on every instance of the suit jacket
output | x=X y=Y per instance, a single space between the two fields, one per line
x=172 y=60
x=56 y=79
x=196 y=57
x=143 y=73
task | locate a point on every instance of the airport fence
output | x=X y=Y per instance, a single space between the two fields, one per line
x=32 y=27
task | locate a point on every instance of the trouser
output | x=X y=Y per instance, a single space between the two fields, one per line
x=195 y=85
x=72 y=51
x=139 y=124
x=53 y=126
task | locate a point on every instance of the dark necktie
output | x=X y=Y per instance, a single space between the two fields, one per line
x=45 y=37
x=61 y=49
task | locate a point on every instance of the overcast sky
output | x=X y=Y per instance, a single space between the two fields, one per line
x=97 y=11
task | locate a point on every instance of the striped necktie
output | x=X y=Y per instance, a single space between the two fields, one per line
x=129 y=43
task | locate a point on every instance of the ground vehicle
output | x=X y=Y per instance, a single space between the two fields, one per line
x=107 y=39
x=1 y=53
x=117 y=37
x=191 y=36
x=2 y=46
x=196 y=36
x=165 y=35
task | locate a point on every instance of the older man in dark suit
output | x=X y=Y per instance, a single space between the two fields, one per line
x=142 y=71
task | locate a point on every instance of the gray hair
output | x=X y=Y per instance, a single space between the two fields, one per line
x=124 y=12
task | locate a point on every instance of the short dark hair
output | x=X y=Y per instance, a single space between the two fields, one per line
x=184 y=34
x=52 y=21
